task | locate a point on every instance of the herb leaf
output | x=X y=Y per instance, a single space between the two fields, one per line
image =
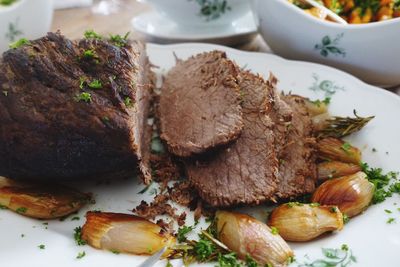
x=90 y=34
x=118 y=40
x=19 y=43
x=95 y=84
x=183 y=231
x=385 y=184
x=21 y=210
x=81 y=255
x=78 y=236
x=85 y=97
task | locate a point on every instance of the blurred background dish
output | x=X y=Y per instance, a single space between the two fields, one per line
x=201 y=13
x=156 y=28
x=369 y=51
x=24 y=19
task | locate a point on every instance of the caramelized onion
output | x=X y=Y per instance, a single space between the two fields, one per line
x=248 y=236
x=41 y=201
x=352 y=194
x=304 y=222
x=124 y=233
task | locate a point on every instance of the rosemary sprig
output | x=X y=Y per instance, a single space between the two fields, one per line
x=342 y=126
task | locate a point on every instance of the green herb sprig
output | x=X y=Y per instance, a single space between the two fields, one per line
x=385 y=183
x=343 y=126
x=84 y=97
x=81 y=255
x=7 y=2
x=119 y=40
x=91 y=34
x=78 y=236
x=19 y=43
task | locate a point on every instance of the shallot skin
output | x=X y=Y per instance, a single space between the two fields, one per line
x=247 y=236
x=124 y=233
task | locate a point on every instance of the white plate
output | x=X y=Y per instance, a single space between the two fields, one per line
x=372 y=240
x=161 y=30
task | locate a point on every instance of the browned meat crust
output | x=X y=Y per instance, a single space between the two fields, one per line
x=47 y=133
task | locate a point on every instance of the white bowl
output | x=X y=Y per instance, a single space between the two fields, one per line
x=369 y=51
x=29 y=19
x=189 y=12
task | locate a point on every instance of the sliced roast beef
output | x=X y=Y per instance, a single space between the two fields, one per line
x=74 y=110
x=297 y=170
x=244 y=172
x=200 y=104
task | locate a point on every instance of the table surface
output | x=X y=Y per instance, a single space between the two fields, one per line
x=73 y=22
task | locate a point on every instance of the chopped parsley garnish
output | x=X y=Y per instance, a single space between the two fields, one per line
x=22 y=235
x=374 y=149
x=250 y=262
x=21 y=210
x=313 y=205
x=292 y=204
x=81 y=255
x=19 y=43
x=116 y=252
x=391 y=220
x=118 y=40
x=95 y=84
x=2 y=207
x=395 y=188
x=90 y=34
x=318 y=102
x=385 y=184
x=128 y=102
x=7 y=2
x=203 y=249
x=89 y=54
x=42 y=246
x=75 y=218
x=346 y=218
x=82 y=81
x=346 y=147
x=183 y=231
x=168 y=264
x=274 y=230
x=388 y=211
x=334 y=209
x=85 y=97
x=78 y=236
x=228 y=260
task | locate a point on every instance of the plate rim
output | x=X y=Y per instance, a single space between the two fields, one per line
x=207 y=46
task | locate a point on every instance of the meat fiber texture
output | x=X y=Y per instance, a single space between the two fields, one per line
x=298 y=172
x=244 y=172
x=272 y=159
x=50 y=131
x=199 y=106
